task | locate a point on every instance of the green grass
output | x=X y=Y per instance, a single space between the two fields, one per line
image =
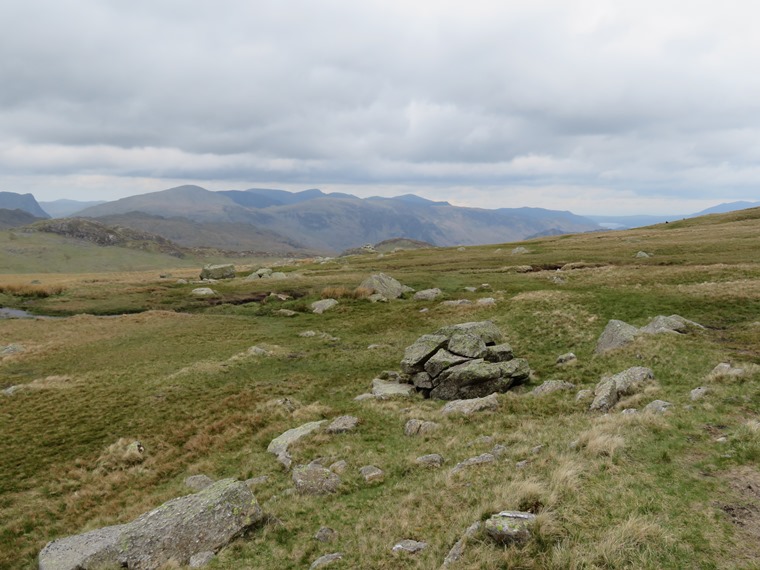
x=633 y=492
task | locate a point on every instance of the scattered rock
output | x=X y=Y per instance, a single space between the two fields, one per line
x=10 y=349
x=520 y=250
x=223 y=511
x=307 y=334
x=201 y=559
x=372 y=474
x=279 y=445
x=257 y=351
x=522 y=464
x=470 y=289
x=420 y=427
x=499 y=451
x=325 y=534
x=629 y=411
x=285 y=313
x=509 y=527
x=698 y=393
x=323 y=305
x=584 y=395
x=473 y=461
x=256 y=481
x=456 y=303
x=383 y=284
x=566 y=358
x=427 y=294
x=198 y=482
x=181 y=281
x=313 y=479
x=343 y=424
x=457 y=551
x=410 y=546
x=225 y=271
x=363 y=397
x=486 y=302
x=325 y=560
x=278 y=276
x=609 y=390
x=726 y=369
x=471 y=406
x=430 y=460
x=551 y=386
x=672 y=324
x=657 y=407
x=616 y=334
x=203 y=292
x=377 y=298
x=643 y=255
x=461 y=249
x=385 y=389
x=339 y=467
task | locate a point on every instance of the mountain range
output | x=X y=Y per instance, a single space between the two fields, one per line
x=281 y=222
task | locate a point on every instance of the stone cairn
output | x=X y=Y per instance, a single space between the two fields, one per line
x=463 y=361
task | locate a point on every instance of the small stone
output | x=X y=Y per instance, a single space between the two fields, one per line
x=629 y=411
x=313 y=479
x=471 y=406
x=566 y=358
x=198 y=482
x=410 y=546
x=486 y=302
x=427 y=294
x=363 y=397
x=325 y=534
x=499 y=451
x=552 y=386
x=201 y=559
x=372 y=474
x=384 y=389
x=285 y=313
x=430 y=460
x=536 y=450
x=522 y=464
x=325 y=560
x=584 y=395
x=457 y=551
x=419 y=427
x=456 y=303
x=256 y=481
x=470 y=289
x=520 y=250
x=323 y=305
x=307 y=334
x=339 y=467
x=657 y=407
x=203 y=292
x=482 y=459
x=698 y=393
x=343 y=424
x=642 y=255
x=508 y=527
x=257 y=351
x=377 y=298
x=482 y=440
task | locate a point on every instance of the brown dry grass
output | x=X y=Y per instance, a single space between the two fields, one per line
x=31 y=290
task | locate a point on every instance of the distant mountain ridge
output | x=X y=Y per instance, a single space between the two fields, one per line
x=25 y=202
x=64 y=208
x=335 y=222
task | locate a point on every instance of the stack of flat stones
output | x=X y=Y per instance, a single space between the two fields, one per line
x=468 y=360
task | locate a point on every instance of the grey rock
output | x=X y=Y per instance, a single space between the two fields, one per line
x=181 y=281
x=307 y=334
x=610 y=390
x=585 y=394
x=482 y=459
x=278 y=275
x=363 y=397
x=430 y=460
x=657 y=407
x=387 y=389
x=201 y=559
x=482 y=440
x=456 y=303
x=285 y=313
x=698 y=393
x=672 y=324
x=410 y=546
x=313 y=479
x=11 y=390
x=203 y=292
x=488 y=332
x=323 y=561
x=551 y=386
x=616 y=334
x=383 y=284
x=726 y=369
x=520 y=250
x=486 y=302
x=471 y=406
x=442 y=360
x=470 y=289
x=423 y=380
x=224 y=271
x=257 y=351
x=280 y=444
x=223 y=511
x=10 y=349
x=377 y=298
x=372 y=474
x=419 y=427
x=468 y=345
x=325 y=534
x=629 y=411
x=642 y=255
x=264 y=271
x=284 y=459
x=417 y=354
x=323 y=305
x=198 y=482
x=457 y=551
x=499 y=451
x=566 y=358
x=509 y=527
x=342 y=424
x=256 y=481
x=461 y=249
x=428 y=294
x=499 y=353
x=339 y=467
x=478 y=378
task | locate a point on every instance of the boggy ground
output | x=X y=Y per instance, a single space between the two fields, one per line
x=677 y=490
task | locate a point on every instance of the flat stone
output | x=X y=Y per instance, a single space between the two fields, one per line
x=419 y=427
x=468 y=345
x=457 y=551
x=417 y=354
x=323 y=305
x=488 y=332
x=471 y=406
x=657 y=407
x=313 y=479
x=509 y=527
x=343 y=424
x=386 y=389
x=285 y=313
x=427 y=294
x=339 y=467
x=430 y=460
x=372 y=474
x=280 y=444
x=616 y=334
x=551 y=386
x=672 y=324
x=410 y=546
x=203 y=292
x=198 y=482
x=323 y=561
x=486 y=302
x=698 y=393
x=482 y=459
x=442 y=360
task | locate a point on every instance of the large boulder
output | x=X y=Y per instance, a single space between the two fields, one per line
x=314 y=479
x=478 y=378
x=225 y=271
x=609 y=390
x=417 y=354
x=175 y=531
x=616 y=335
x=488 y=332
x=383 y=284
x=672 y=324
x=509 y=527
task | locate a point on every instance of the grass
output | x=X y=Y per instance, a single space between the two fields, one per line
x=173 y=372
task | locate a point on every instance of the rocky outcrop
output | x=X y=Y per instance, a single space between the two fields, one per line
x=225 y=271
x=609 y=390
x=177 y=530
x=618 y=334
x=463 y=361
x=508 y=527
x=383 y=284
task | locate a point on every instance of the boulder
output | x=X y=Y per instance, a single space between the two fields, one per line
x=509 y=527
x=203 y=292
x=383 y=284
x=313 y=479
x=672 y=324
x=727 y=369
x=419 y=427
x=467 y=345
x=323 y=561
x=615 y=335
x=279 y=445
x=177 y=530
x=482 y=459
x=430 y=460
x=372 y=474
x=422 y=380
x=418 y=353
x=386 y=389
x=323 y=305
x=225 y=271
x=471 y=406
x=551 y=386
x=342 y=424
x=427 y=294
x=488 y=332
x=478 y=378
x=410 y=546
x=609 y=390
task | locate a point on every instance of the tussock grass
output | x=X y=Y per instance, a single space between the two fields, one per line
x=34 y=291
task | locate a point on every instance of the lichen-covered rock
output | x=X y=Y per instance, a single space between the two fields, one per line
x=383 y=284
x=508 y=527
x=387 y=389
x=224 y=271
x=430 y=460
x=478 y=378
x=201 y=559
x=417 y=354
x=551 y=386
x=313 y=479
x=420 y=427
x=672 y=324
x=616 y=335
x=442 y=360
x=499 y=353
x=482 y=459
x=609 y=390
x=566 y=358
x=657 y=407
x=325 y=560
x=410 y=546
x=323 y=305
x=203 y=292
x=468 y=345
x=177 y=530
x=471 y=406
x=488 y=332
x=280 y=444
x=342 y=424
x=427 y=294
x=698 y=393
x=372 y=474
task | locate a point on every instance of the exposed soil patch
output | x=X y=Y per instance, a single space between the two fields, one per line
x=743 y=510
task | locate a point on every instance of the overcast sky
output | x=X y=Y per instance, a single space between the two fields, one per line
x=614 y=107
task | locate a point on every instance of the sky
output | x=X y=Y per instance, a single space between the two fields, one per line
x=598 y=107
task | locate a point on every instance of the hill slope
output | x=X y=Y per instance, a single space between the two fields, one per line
x=25 y=202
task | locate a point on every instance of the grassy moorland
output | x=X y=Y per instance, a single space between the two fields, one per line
x=678 y=490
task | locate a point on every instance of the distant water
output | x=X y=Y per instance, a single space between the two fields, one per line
x=6 y=313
